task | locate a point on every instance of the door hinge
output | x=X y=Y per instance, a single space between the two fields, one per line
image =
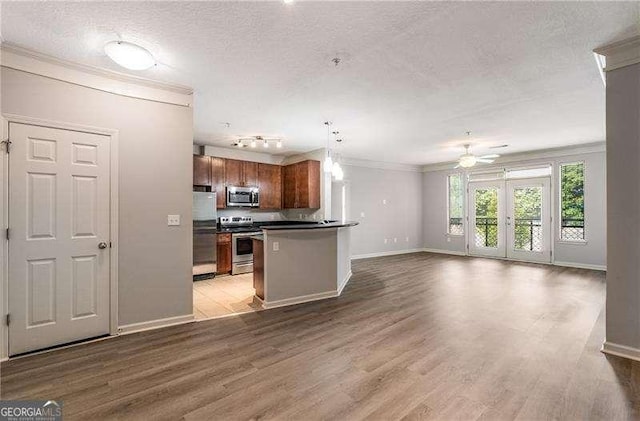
x=110 y=244
x=6 y=144
x=8 y=319
x=7 y=233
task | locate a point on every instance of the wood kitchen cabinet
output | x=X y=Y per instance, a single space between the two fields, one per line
x=217 y=181
x=201 y=170
x=241 y=173
x=270 y=184
x=301 y=183
x=223 y=251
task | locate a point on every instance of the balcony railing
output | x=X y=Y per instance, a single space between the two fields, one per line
x=572 y=229
x=528 y=231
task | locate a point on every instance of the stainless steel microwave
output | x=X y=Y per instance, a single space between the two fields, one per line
x=243 y=197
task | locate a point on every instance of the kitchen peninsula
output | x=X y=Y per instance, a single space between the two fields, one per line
x=300 y=263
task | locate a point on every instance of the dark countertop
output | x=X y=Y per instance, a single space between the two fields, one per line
x=271 y=225
x=310 y=226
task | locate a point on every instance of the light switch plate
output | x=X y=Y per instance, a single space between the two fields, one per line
x=276 y=246
x=173 y=220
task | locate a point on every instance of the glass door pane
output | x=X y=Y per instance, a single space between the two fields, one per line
x=486 y=236
x=529 y=219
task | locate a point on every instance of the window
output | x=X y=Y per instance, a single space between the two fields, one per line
x=456 y=208
x=572 y=201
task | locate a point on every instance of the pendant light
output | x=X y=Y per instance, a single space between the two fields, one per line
x=328 y=161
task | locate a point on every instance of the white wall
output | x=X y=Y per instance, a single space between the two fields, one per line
x=591 y=253
x=399 y=221
x=623 y=175
x=155 y=174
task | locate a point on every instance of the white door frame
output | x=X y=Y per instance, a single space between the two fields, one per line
x=5 y=119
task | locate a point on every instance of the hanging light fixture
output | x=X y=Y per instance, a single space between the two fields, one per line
x=328 y=161
x=336 y=168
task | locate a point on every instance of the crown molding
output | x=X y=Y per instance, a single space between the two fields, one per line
x=354 y=162
x=18 y=58
x=621 y=53
x=597 y=147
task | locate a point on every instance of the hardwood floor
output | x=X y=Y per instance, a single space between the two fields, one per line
x=224 y=295
x=413 y=336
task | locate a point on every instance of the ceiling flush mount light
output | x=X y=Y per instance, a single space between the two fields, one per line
x=279 y=144
x=253 y=143
x=129 y=55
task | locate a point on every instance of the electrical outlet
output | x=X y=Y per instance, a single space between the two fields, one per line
x=385 y=241
x=448 y=239
x=276 y=246
x=361 y=214
x=384 y=201
x=395 y=240
x=173 y=220
x=273 y=217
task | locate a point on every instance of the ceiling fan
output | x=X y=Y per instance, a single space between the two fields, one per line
x=468 y=160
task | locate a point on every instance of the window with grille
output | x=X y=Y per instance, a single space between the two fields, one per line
x=572 y=201
x=456 y=208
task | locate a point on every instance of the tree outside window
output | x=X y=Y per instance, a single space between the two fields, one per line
x=572 y=201
x=456 y=208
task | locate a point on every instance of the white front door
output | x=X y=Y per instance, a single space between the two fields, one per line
x=59 y=183
x=486 y=216
x=529 y=219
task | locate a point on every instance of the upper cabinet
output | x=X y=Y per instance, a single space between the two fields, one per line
x=270 y=184
x=217 y=180
x=291 y=186
x=302 y=185
x=201 y=170
x=241 y=173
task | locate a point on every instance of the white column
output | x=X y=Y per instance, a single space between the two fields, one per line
x=623 y=198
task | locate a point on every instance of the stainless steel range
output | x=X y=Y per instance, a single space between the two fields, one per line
x=241 y=229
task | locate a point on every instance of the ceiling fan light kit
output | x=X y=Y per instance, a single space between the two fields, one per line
x=468 y=160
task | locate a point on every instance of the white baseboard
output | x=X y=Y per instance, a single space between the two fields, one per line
x=385 y=253
x=299 y=300
x=621 y=351
x=155 y=324
x=344 y=282
x=452 y=252
x=580 y=265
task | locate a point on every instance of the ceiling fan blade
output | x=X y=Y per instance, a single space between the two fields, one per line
x=484 y=160
x=493 y=155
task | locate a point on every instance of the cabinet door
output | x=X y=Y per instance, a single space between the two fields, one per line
x=308 y=184
x=270 y=183
x=289 y=189
x=233 y=172
x=201 y=170
x=217 y=181
x=223 y=249
x=250 y=173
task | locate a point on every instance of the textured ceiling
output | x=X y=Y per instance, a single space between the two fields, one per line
x=413 y=76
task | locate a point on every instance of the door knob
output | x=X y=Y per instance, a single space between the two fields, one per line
x=102 y=245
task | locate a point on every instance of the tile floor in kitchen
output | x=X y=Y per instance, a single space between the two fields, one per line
x=223 y=295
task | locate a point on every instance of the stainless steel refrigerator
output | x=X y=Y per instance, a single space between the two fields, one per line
x=204 y=233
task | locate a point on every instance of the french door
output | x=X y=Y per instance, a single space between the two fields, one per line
x=486 y=218
x=529 y=219
x=511 y=219
x=59 y=182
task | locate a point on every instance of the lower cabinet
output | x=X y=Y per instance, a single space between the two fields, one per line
x=223 y=251
x=258 y=267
